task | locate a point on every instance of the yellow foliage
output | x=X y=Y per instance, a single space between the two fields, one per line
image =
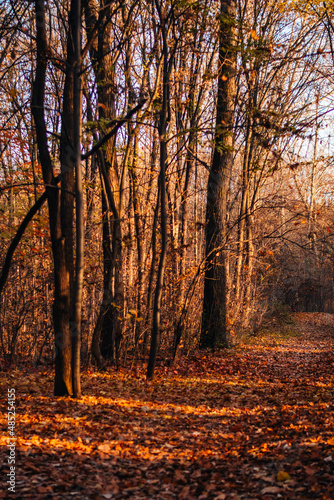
x=308 y=7
x=282 y=476
x=254 y=35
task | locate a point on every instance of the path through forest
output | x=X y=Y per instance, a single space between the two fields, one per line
x=256 y=423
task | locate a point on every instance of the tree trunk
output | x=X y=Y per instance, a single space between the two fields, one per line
x=214 y=331
x=62 y=299
x=66 y=317
x=163 y=123
x=108 y=329
x=77 y=103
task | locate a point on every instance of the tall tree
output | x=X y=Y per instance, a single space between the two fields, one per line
x=104 y=53
x=79 y=263
x=66 y=318
x=166 y=18
x=213 y=333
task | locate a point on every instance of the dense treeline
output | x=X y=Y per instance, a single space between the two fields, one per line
x=203 y=134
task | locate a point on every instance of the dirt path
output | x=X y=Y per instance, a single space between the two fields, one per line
x=254 y=423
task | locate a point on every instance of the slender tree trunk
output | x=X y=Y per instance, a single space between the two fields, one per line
x=154 y=245
x=78 y=286
x=138 y=235
x=214 y=331
x=312 y=208
x=163 y=123
x=155 y=334
x=242 y=223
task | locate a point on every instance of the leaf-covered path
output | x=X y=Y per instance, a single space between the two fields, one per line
x=254 y=423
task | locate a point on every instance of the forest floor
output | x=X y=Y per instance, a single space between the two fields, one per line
x=255 y=422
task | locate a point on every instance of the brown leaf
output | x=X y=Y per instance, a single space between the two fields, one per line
x=270 y=489
x=184 y=494
x=105 y=448
x=310 y=471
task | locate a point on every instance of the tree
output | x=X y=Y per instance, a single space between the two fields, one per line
x=214 y=320
x=164 y=117
x=66 y=310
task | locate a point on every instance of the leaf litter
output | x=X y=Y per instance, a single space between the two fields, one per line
x=255 y=422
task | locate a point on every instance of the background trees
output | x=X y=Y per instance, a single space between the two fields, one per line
x=177 y=96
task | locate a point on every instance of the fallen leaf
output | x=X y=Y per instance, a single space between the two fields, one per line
x=282 y=476
x=270 y=489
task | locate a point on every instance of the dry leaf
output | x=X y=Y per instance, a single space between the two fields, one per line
x=282 y=476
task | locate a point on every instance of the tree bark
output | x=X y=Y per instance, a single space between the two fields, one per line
x=108 y=328
x=162 y=128
x=78 y=285
x=214 y=319
x=67 y=306
x=61 y=306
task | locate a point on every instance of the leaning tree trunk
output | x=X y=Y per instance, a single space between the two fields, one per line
x=214 y=319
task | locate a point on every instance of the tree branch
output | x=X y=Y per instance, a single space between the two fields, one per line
x=17 y=238
x=114 y=130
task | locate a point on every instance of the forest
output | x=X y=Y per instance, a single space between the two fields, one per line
x=167 y=219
